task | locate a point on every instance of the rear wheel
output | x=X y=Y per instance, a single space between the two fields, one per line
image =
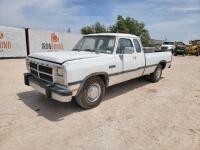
x=156 y=75
x=198 y=53
x=92 y=93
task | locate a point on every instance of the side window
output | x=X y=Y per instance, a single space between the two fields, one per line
x=122 y=44
x=137 y=45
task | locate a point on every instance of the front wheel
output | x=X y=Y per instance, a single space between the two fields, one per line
x=91 y=93
x=156 y=75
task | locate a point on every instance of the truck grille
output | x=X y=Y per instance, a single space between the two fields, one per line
x=42 y=72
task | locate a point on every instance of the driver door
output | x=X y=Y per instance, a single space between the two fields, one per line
x=127 y=55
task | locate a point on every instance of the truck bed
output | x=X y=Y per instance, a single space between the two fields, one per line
x=153 y=50
x=154 y=58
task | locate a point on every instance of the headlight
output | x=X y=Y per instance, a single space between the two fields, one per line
x=60 y=71
x=59 y=75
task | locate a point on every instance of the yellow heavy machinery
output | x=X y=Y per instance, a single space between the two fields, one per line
x=194 y=47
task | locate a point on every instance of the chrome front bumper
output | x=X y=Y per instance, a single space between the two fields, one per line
x=50 y=90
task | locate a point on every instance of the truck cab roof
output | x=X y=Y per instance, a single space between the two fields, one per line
x=114 y=34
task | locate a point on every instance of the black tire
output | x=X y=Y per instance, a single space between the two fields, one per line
x=82 y=98
x=198 y=53
x=154 y=76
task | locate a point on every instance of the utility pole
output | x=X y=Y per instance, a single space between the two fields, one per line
x=68 y=30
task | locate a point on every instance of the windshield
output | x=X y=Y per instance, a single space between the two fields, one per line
x=99 y=44
x=168 y=43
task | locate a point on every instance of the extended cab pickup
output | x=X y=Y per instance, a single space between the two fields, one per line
x=96 y=62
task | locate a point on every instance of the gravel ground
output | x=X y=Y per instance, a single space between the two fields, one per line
x=136 y=114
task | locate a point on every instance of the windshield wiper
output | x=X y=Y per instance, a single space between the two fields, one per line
x=75 y=49
x=91 y=50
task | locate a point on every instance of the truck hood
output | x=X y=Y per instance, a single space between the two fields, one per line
x=61 y=57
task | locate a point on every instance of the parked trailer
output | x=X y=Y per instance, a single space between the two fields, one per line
x=49 y=41
x=12 y=42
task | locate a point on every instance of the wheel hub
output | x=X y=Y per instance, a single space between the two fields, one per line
x=94 y=92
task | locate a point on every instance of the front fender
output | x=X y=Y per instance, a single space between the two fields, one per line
x=103 y=75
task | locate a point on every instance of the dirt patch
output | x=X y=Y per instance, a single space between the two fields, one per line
x=136 y=114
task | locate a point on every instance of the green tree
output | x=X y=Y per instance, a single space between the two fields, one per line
x=87 y=30
x=122 y=25
x=131 y=26
x=95 y=28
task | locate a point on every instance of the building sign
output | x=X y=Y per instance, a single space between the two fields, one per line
x=48 y=41
x=54 y=43
x=4 y=44
x=12 y=42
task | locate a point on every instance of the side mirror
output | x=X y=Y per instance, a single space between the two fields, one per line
x=128 y=50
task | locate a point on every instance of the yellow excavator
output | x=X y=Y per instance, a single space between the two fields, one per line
x=194 y=47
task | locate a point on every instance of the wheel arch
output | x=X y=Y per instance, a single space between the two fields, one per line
x=163 y=63
x=103 y=75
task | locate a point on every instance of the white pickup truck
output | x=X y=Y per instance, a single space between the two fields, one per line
x=168 y=46
x=96 y=62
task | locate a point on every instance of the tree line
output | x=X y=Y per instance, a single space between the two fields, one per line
x=122 y=25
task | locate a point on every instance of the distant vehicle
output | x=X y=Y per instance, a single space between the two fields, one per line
x=96 y=62
x=194 y=47
x=168 y=46
x=180 y=49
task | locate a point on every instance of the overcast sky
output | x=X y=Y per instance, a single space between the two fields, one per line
x=171 y=19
